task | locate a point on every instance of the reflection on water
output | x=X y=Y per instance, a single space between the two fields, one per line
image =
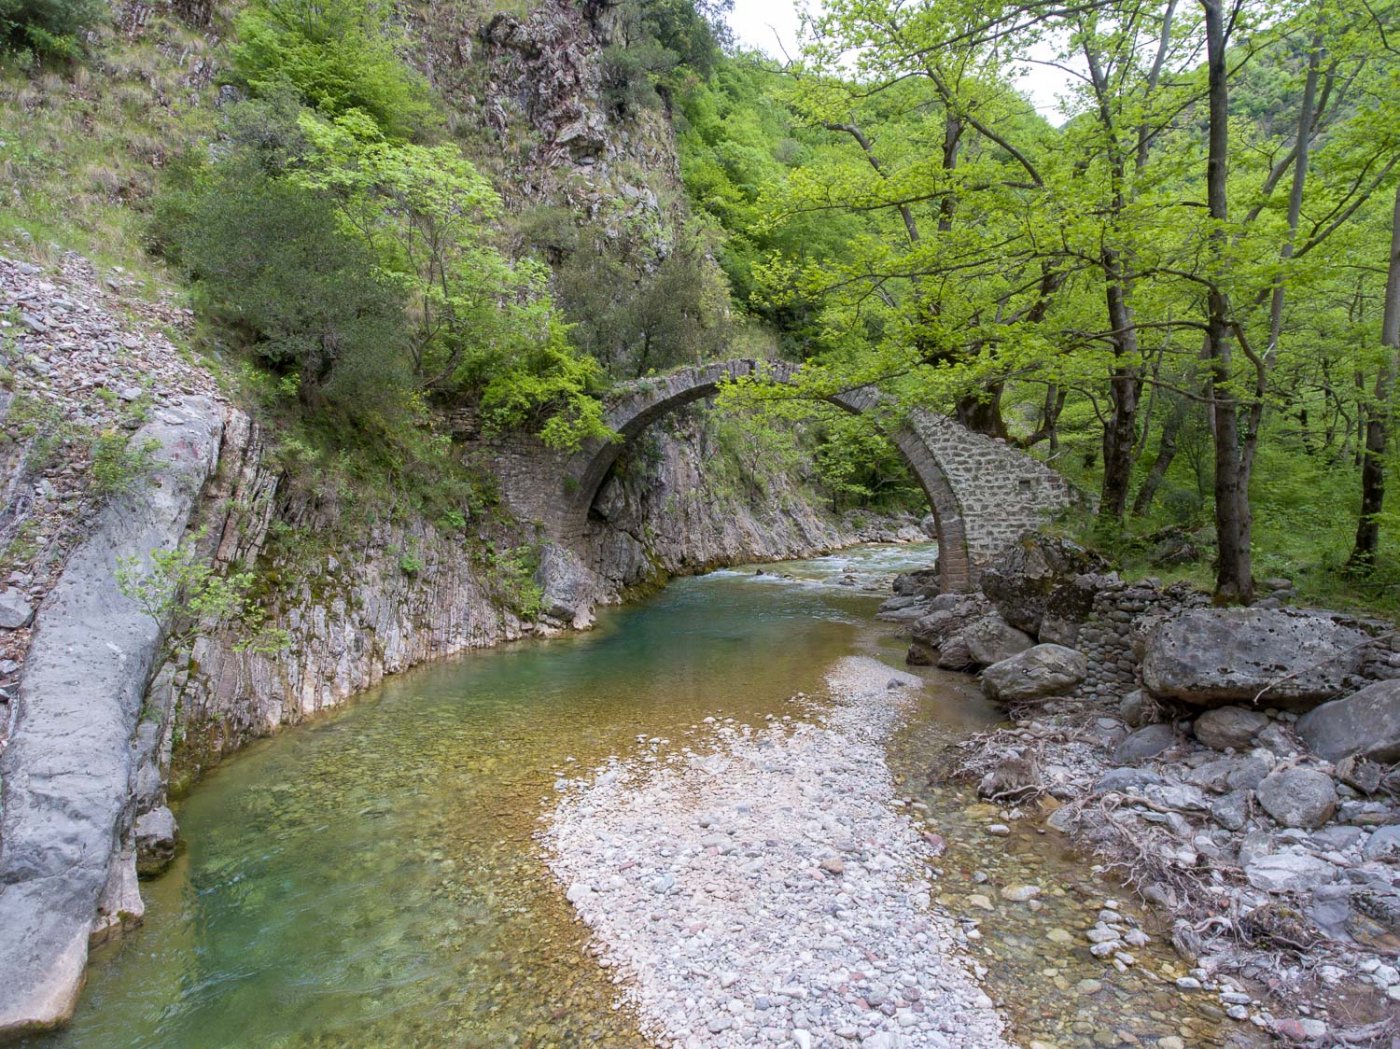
x=371 y=880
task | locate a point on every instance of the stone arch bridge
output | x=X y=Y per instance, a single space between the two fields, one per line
x=983 y=493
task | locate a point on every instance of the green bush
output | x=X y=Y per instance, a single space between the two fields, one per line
x=276 y=273
x=51 y=28
x=338 y=55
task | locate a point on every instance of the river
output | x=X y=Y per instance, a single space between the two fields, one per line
x=373 y=879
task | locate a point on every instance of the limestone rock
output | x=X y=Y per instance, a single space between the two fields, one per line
x=15 y=609
x=1045 y=670
x=569 y=589
x=156 y=838
x=1365 y=724
x=1020 y=582
x=1288 y=872
x=990 y=640
x=1227 y=728
x=1214 y=656
x=1298 y=797
x=1146 y=742
x=68 y=765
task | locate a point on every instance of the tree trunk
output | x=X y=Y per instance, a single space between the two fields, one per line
x=1166 y=452
x=1368 y=530
x=1234 y=574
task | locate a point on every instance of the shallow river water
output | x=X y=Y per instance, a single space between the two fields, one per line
x=373 y=879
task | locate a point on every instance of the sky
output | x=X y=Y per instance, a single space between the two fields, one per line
x=771 y=26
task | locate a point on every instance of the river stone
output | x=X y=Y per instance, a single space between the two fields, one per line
x=68 y=766
x=1232 y=810
x=15 y=609
x=1288 y=872
x=1137 y=709
x=1146 y=742
x=1227 y=728
x=1384 y=843
x=1249 y=771
x=990 y=640
x=1020 y=580
x=1045 y=670
x=1365 y=724
x=1124 y=779
x=1219 y=656
x=1298 y=797
x=156 y=838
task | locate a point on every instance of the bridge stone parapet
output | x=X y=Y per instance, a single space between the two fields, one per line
x=983 y=492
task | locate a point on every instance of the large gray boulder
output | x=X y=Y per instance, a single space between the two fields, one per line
x=1218 y=656
x=1366 y=724
x=67 y=770
x=1045 y=670
x=1298 y=797
x=568 y=589
x=1022 y=579
x=1228 y=728
x=1146 y=742
x=990 y=640
x=1288 y=872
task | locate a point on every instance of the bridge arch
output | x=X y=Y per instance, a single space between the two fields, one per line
x=983 y=493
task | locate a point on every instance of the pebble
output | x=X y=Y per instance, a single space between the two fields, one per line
x=830 y=948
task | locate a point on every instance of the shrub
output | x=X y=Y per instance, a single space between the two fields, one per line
x=51 y=28
x=337 y=54
x=274 y=270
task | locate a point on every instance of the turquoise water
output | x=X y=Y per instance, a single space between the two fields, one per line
x=372 y=879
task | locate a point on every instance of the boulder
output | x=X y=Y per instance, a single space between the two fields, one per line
x=947 y=615
x=1250 y=770
x=990 y=640
x=568 y=588
x=1146 y=742
x=1137 y=709
x=1218 y=656
x=1230 y=728
x=1020 y=581
x=15 y=609
x=1288 y=872
x=1298 y=797
x=1366 y=725
x=923 y=583
x=156 y=838
x=1383 y=844
x=1232 y=810
x=1045 y=670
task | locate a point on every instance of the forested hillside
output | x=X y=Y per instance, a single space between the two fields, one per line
x=1175 y=289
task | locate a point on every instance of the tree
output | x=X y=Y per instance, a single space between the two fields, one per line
x=1373 y=466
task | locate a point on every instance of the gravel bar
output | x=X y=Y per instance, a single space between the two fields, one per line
x=772 y=891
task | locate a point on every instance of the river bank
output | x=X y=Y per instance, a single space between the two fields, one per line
x=1230 y=767
x=771 y=890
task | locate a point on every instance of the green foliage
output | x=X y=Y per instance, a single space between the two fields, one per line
x=510 y=578
x=339 y=56
x=48 y=28
x=179 y=590
x=120 y=464
x=860 y=467
x=276 y=273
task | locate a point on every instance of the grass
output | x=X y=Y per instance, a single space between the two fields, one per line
x=82 y=146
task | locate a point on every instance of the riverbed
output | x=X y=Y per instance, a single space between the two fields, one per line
x=376 y=878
